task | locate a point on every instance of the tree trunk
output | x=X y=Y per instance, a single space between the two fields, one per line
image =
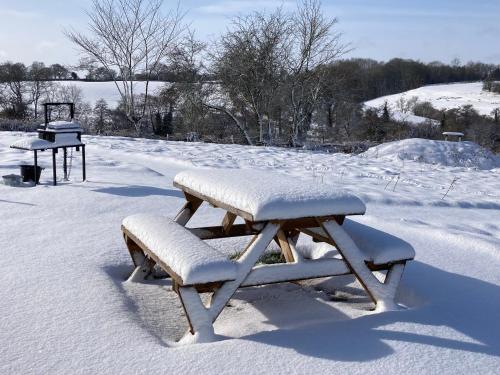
x=261 y=128
x=237 y=122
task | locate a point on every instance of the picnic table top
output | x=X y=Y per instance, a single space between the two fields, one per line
x=263 y=195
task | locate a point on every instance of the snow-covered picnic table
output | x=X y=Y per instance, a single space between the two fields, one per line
x=270 y=207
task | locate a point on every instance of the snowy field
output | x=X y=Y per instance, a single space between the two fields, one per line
x=93 y=91
x=66 y=309
x=442 y=97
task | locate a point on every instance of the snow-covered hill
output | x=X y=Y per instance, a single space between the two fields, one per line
x=93 y=91
x=445 y=97
x=66 y=309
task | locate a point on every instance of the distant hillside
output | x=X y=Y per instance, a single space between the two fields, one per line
x=444 y=97
x=93 y=91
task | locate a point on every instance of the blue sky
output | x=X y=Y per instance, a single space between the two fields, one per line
x=380 y=29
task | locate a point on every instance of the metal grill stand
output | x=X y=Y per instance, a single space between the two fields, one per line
x=53 y=136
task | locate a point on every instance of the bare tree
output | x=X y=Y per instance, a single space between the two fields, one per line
x=131 y=37
x=249 y=62
x=271 y=65
x=14 y=89
x=316 y=44
x=39 y=84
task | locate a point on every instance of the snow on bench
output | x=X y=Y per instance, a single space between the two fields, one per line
x=378 y=247
x=190 y=258
x=269 y=195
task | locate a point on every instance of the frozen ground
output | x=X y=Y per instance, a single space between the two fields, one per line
x=66 y=309
x=447 y=96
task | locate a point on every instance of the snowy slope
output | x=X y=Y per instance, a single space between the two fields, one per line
x=446 y=97
x=65 y=307
x=93 y=91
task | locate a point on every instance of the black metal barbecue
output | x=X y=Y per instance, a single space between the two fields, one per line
x=55 y=135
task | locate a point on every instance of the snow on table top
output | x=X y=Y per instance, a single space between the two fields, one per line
x=35 y=143
x=268 y=196
x=60 y=125
x=189 y=257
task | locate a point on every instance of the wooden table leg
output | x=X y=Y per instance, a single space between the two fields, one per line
x=246 y=262
x=381 y=293
x=190 y=207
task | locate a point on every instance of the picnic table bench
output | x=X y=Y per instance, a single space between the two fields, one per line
x=271 y=207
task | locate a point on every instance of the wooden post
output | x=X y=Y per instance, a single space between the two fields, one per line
x=190 y=207
x=228 y=222
x=285 y=246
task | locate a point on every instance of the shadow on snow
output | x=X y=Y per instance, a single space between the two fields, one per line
x=139 y=191
x=464 y=304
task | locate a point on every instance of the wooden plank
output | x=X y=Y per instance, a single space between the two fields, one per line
x=318 y=234
x=135 y=251
x=143 y=272
x=188 y=210
x=209 y=287
x=215 y=203
x=153 y=256
x=285 y=246
x=238 y=230
x=354 y=259
x=197 y=314
x=307 y=222
x=293 y=223
x=286 y=272
x=228 y=221
x=383 y=267
x=246 y=262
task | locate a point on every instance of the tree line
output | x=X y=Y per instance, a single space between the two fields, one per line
x=277 y=78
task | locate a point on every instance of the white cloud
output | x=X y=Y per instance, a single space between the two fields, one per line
x=235 y=6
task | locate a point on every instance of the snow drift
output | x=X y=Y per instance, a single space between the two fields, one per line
x=451 y=154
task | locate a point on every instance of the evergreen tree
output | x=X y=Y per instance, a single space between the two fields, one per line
x=386 y=116
x=157 y=124
x=168 y=125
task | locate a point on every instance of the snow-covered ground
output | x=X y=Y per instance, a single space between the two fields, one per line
x=66 y=309
x=444 y=97
x=93 y=91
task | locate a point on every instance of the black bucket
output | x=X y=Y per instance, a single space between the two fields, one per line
x=28 y=173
